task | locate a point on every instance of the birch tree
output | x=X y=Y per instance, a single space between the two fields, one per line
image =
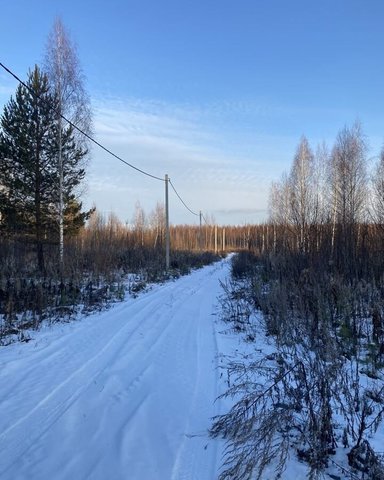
x=348 y=171
x=322 y=205
x=279 y=208
x=378 y=191
x=302 y=196
x=157 y=223
x=67 y=81
x=139 y=222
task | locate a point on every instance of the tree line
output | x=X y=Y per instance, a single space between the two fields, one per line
x=329 y=204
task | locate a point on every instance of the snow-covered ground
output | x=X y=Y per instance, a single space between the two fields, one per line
x=125 y=394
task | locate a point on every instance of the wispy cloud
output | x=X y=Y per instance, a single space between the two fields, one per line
x=212 y=170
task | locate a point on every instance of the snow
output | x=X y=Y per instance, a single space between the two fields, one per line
x=125 y=394
x=128 y=393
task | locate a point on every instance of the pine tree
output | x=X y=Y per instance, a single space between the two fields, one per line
x=28 y=164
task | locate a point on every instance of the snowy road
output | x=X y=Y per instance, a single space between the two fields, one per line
x=125 y=394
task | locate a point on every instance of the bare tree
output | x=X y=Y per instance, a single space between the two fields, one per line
x=139 y=223
x=157 y=223
x=302 y=197
x=349 y=188
x=66 y=79
x=322 y=208
x=279 y=209
x=378 y=192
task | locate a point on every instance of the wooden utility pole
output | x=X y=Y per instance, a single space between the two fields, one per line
x=215 y=238
x=167 y=236
x=200 y=233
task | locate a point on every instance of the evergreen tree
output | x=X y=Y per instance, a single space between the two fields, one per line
x=28 y=164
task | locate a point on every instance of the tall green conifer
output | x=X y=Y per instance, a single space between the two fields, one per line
x=28 y=164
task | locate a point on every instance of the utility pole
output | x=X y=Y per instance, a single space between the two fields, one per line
x=167 y=236
x=200 y=233
x=215 y=238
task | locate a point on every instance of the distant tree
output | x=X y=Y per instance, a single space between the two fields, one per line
x=66 y=79
x=322 y=208
x=157 y=223
x=139 y=223
x=302 y=195
x=378 y=191
x=28 y=167
x=348 y=170
x=279 y=208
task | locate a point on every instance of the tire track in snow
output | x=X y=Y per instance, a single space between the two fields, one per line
x=192 y=456
x=115 y=362
x=54 y=404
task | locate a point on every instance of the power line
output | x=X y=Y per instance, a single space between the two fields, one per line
x=91 y=139
x=182 y=201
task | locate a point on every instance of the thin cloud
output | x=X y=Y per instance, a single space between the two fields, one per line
x=210 y=167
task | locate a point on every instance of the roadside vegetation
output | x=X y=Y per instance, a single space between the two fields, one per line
x=104 y=261
x=314 y=293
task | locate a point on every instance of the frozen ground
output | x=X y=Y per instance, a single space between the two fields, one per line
x=125 y=394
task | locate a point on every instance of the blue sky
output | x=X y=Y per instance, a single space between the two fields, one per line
x=215 y=93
